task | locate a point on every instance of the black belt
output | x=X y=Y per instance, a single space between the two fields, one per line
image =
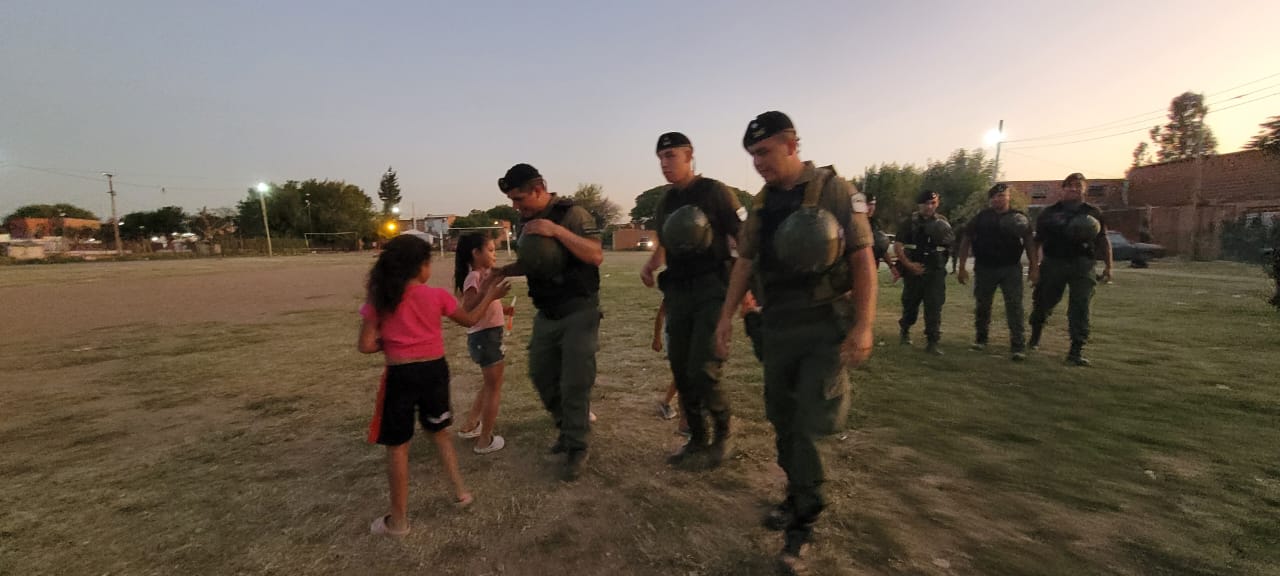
x=568 y=307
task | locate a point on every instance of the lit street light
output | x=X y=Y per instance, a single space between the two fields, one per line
x=263 y=188
x=995 y=136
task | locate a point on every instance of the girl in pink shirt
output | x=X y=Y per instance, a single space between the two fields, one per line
x=402 y=319
x=476 y=256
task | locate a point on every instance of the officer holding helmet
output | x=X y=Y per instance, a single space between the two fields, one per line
x=1071 y=234
x=921 y=245
x=807 y=243
x=998 y=236
x=696 y=218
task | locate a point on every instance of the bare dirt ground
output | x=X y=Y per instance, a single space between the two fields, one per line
x=208 y=417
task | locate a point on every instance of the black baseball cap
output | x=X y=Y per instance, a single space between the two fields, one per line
x=517 y=176
x=925 y=196
x=766 y=125
x=673 y=140
x=998 y=188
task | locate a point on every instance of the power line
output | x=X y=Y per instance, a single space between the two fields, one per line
x=1144 y=123
x=1105 y=136
x=71 y=174
x=1148 y=116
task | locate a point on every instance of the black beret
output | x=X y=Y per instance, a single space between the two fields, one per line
x=926 y=196
x=517 y=176
x=998 y=188
x=673 y=140
x=766 y=125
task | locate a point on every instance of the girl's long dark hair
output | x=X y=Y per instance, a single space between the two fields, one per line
x=401 y=261
x=467 y=246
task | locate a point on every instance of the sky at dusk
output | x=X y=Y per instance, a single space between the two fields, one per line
x=203 y=99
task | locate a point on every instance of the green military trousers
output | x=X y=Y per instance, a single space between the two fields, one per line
x=562 y=367
x=1009 y=280
x=1057 y=275
x=806 y=393
x=693 y=310
x=931 y=289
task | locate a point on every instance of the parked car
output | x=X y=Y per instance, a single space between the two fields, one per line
x=1136 y=252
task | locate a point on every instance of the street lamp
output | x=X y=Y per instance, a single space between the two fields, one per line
x=996 y=136
x=263 y=188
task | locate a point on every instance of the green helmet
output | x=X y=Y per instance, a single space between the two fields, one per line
x=1015 y=223
x=939 y=232
x=1083 y=228
x=687 y=231
x=808 y=241
x=540 y=256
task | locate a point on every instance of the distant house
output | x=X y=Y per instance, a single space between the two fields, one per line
x=436 y=224
x=1181 y=202
x=1184 y=200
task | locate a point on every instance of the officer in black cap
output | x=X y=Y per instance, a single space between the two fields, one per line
x=562 y=348
x=696 y=218
x=817 y=320
x=1068 y=264
x=999 y=235
x=922 y=245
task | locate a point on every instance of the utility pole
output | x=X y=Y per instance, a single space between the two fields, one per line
x=262 y=201
x=995 y=177
x=1195 y=196
x=115 y=222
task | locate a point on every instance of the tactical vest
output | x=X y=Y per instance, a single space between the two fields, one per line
x=992 y=246
x=774 y=281
x=579 y=280
x=1051 y=229
x=716 y=260
x=922 y=249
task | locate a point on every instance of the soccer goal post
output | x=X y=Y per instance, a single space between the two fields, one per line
x=332 y=241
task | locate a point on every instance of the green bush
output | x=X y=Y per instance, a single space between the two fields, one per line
x=1244 y=239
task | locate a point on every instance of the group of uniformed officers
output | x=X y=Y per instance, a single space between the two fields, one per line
x=1061 y=252
x=804 y=250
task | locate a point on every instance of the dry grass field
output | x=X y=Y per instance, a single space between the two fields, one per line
x=208 y=417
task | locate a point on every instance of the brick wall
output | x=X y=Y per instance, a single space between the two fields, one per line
x=1104 y=193
x=1250 y=176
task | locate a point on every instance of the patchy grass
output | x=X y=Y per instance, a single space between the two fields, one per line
x=225 y=435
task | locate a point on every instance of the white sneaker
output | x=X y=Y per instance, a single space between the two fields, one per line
x=497 y=444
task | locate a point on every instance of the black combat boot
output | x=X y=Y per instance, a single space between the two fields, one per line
x=722 y=443
x=1074 y=356
x=1034 y=343
x=696 y=447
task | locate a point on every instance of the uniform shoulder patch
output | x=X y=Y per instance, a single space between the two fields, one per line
x=859 y=203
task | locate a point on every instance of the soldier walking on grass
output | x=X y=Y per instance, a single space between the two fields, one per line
x=921 y=245
x=998 y=236
x=560 y=253
x=696 y=219
x=1070 y=234
x=808 y=245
